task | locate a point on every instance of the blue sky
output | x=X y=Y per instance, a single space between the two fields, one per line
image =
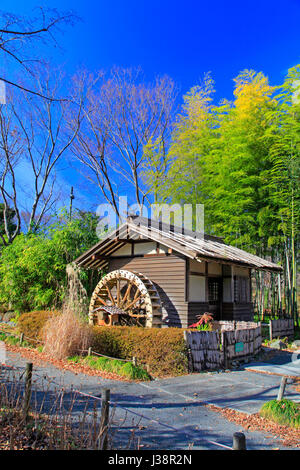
x=183 y=39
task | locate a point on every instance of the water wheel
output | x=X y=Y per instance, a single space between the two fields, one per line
x=125 y=298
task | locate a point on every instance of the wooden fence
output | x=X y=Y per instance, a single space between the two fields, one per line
x=281 y=328
x=215 y=349
x=204 y=350
x=229 y=325
x=241 y=343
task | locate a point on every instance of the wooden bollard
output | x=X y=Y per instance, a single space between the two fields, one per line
x=105 y=417
x=21 y=338
x=239 y=441
x=89 y=351
x=281 y=388
x=134 y=361
x=27 y=391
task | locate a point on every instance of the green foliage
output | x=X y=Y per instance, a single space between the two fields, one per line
x=10 y=214
x=126 y=369
x=164 y=350
x=284 y=412
x=204 y=327
x=241 y=159
x=33 y=267
x=13 y=340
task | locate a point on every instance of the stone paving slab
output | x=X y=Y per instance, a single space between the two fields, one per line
x=289 y=366
x=170 y=413
x=240 y=390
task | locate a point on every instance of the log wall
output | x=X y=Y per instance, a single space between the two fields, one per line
x=281 y=328
x=215 y=349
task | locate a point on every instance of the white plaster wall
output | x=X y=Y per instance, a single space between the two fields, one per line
x=147 y=248
x=196 y=288
x=214 y=268
x=237 y=271
x=197 y=267
x=227 y=289
x=124 y=250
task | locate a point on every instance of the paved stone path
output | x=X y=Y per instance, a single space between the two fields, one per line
x=283 y=363
x=173 y=411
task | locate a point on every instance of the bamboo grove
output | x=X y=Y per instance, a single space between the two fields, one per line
x=240 y=159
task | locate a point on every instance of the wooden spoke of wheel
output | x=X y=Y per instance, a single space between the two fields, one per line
x=138 y=315
x=127 y=293
x=118 y=292
x=110 y=295
x=132 y=292
x=101 y=300
x=134 y=301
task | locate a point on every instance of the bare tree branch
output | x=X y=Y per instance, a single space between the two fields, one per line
x=40 y=127
x=122 y=114
x=20 y=35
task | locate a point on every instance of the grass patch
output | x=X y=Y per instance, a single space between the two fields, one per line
x=284 y=412
x=125 y=369
x=13 y=340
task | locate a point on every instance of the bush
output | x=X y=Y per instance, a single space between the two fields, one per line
x=163 y=349
x=284 y=412
x=66 y=335
x=33 y=267
x=31 y=324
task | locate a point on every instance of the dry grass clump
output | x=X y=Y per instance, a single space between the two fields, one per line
x=66 y=335
x=50 y=423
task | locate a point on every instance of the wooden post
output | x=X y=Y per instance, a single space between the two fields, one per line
x=89 y=351
x=281 y=388
x=105 y=417
x=270 y=330
x=189 y=353
x=224 y=342
x=21 y=338
x=27 y=391
x=134 y=361
x=239 y=441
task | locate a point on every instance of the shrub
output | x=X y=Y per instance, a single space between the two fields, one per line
x=32 y=323
x=33 y=267
x=66 y=335
x=284 y=412
x=163 y=349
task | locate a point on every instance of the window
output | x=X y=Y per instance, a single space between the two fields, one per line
x=213 y=290
x=241 y=289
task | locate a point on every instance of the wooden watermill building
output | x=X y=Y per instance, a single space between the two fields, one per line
x=168 y=275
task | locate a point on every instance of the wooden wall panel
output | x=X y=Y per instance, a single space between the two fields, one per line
x=169 y=274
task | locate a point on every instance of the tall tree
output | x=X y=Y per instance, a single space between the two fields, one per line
x=33 y=138
x=123 y=114
x=193 y=133
x=241 y=160
x=284 y=129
